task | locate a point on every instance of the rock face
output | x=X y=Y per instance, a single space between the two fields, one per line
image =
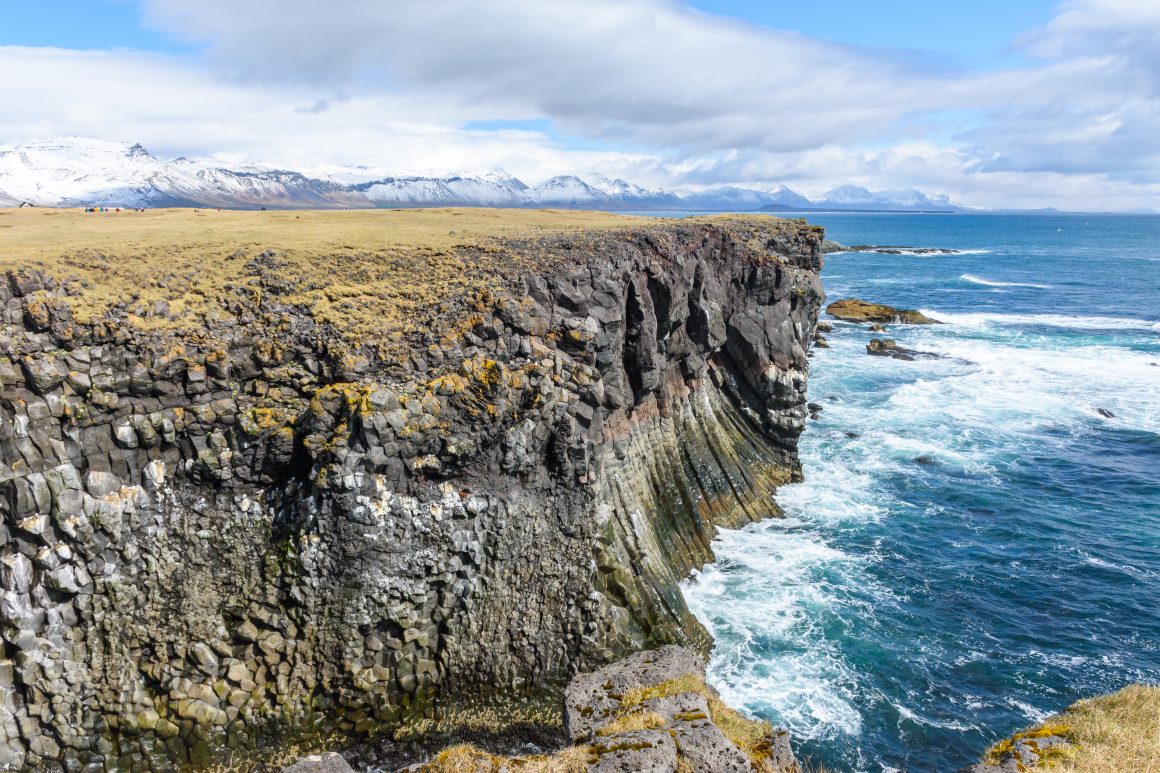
x=652 y=711
x=854 y=310
x=228 y=537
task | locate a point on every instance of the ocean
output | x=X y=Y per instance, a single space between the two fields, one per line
x=977 y=541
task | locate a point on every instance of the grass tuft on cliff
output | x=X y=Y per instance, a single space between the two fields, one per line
x=466 y=758
x=1117 y=733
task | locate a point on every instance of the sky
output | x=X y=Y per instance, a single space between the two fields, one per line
x=995 y=103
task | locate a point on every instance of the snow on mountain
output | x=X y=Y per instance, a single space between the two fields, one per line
x=566 y=190
x=497 y=189
x=908 y=199
x=782 y=195
x=59 y=172
x=733 y=198
x=491 y=190
x=75 y=171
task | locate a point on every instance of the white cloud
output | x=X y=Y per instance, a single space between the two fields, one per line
x=651 y=90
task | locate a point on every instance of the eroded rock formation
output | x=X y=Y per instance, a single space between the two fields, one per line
x=218 y=538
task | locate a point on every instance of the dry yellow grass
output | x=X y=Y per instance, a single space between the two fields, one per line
x=632 y=722
x=1117 y=733
x=466 y=758
x=40 y=234
x=368 y=272
x=375 y=275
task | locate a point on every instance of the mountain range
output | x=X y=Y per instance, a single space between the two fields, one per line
x=76 y=172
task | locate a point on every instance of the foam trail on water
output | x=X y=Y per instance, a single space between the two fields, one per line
x=986 y=319
x=996 y=283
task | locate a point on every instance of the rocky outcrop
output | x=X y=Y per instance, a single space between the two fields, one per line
x=653 y=711
x=854 y=310
x=888 y=347
x=216 y=539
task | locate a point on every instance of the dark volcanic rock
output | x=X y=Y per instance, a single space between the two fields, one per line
x=886 y=347
x=250 y=533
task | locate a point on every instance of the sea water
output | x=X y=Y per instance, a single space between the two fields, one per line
x=977 y=541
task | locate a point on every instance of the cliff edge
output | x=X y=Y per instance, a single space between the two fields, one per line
x=259 y=488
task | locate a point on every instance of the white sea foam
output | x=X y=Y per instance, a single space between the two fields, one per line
x=922 y=252
x=1029 y=711
x=918 y=719
x=991 y=319
x=1001 y=388
x=787 y=578
x=996 y=283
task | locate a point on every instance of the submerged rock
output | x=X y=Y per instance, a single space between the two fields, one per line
x=886 y=347
x=855 y=310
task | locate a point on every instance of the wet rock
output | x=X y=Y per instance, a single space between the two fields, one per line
x=887 y=347
x=855 y=310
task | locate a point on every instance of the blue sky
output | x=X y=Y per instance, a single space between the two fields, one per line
x=1027 y=103
x=978 y=33
x=74 y=24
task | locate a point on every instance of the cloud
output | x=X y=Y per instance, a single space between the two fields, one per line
x=652 y=91
x=651 y=72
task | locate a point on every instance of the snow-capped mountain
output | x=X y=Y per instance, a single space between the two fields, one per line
x=567 y=191
x=732 y=198
x=905 y=200
x=80 y=172
x=74 y=171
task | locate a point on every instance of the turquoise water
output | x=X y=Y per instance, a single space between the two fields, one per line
x=975 y=545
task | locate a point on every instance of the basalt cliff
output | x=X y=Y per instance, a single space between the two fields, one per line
x=249 y=526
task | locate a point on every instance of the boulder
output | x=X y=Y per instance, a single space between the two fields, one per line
x=654 y=711
x=887 y=347
x=855 y=310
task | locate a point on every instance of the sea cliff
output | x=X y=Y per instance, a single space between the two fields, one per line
x=266 y=512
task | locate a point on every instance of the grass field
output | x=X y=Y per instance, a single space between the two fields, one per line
x=366 y=271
